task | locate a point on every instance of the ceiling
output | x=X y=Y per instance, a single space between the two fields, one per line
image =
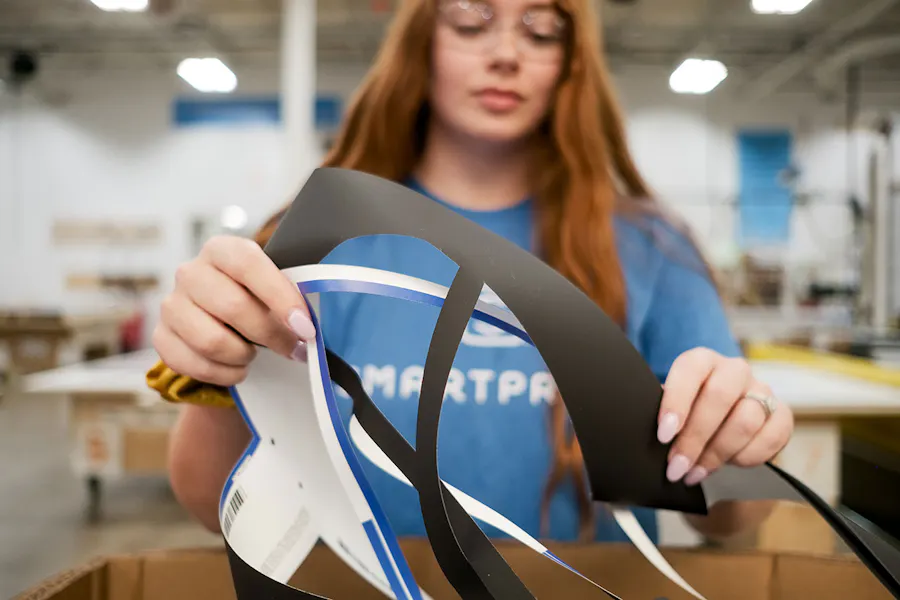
x=768 y=52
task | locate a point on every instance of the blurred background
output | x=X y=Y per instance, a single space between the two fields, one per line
x=131 y=131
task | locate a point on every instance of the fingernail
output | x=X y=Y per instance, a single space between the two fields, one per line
x=668 y=427
x=301 y=325
x=678 y=466
x=299 y=353
x=695 y=476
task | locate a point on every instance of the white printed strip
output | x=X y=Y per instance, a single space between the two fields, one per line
x=632 y=528
x=294 y=496
x=422 y=594
x=349 y=273
x=352 y=479
x=368 y=448
x=330 y=436
x=232 y=507
x=267 y=522
x=365 y=275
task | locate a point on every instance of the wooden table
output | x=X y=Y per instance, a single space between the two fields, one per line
x=823 y=391
x=36 y=340
x=117 y=425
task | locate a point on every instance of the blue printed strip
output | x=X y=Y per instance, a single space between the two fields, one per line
x=411 y=589
x=251 y=447
x=401 y=293
x=390 y=572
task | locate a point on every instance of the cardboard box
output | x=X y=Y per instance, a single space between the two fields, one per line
x=114 y=434
x=193 y=574
x=796 y=528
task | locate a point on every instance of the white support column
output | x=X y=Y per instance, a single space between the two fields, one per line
x=879 y=203
x=298 y=91
x=894 y=212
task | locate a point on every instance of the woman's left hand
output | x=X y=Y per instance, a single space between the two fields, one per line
x=707 y=412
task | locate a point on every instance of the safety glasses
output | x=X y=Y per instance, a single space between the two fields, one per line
x=538 y=33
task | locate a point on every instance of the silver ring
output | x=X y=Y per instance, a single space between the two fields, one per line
x=767 y=402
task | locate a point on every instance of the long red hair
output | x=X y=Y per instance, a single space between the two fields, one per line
x=585 y=168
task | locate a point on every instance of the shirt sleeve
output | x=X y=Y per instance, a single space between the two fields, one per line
x=685 y=312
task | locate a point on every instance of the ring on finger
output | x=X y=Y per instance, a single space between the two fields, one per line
x=767 y=402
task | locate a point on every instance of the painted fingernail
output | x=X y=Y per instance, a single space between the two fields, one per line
x=668 y=427
x=301 y=325
x=299 y=353
x=678 y=466
x=695 y=476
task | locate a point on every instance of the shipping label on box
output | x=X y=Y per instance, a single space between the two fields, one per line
x=97 y=449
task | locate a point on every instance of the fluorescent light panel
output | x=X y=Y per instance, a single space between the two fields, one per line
x=209 y=75
x=697 y=76
x=779 y=7
x=122 y=5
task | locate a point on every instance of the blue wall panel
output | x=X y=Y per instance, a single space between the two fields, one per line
x=187 y=112
x=200 y=111
x=765 y=201
x=329 y=112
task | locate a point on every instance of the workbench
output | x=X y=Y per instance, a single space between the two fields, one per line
x=826 y=392
x=117 y=426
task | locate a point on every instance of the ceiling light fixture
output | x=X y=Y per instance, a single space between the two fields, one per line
x=779 y=7
x=234 y=218
x=208 y=75
x=122 y=5
x=697 y=76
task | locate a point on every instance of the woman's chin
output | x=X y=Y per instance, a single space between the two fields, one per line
x=501 y=133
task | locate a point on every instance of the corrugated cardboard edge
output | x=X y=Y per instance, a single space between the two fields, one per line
x=786 y=575
x=112 y=575
x=163 y=569
x=47 y=588
x=799 y=575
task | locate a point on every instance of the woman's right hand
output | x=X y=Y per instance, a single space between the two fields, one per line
x=231 y=282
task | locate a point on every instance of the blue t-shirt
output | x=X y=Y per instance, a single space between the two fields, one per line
x=493 y=441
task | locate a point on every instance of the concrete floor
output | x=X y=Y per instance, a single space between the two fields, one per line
x=43 y=524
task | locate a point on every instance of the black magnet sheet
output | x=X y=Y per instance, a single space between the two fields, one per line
x=302 y=471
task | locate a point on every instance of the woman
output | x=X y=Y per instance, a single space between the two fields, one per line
x=502 y=111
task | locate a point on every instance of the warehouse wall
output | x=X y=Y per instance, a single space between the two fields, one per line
x=109 y=151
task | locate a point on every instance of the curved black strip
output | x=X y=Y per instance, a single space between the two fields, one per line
x=468 y=559
x=379 y=428
x=748 y=483
x=880 y=557
x=250 y=584
x=610 y=392
x=770 y=482
x=401 y=453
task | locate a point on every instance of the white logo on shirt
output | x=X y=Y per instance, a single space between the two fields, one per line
x=483 y=335
x=474 y=385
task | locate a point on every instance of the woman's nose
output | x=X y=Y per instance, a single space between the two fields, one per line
x=506 y=47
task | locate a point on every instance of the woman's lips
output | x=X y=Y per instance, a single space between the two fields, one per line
x=500 y=101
